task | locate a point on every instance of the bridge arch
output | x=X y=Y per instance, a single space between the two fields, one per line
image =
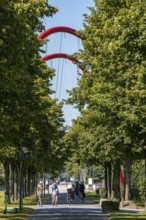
x=66 y=56
x=59 y=29
x=62 y=55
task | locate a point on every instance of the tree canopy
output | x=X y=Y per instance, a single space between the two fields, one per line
x=111 y=94
x=28 y=115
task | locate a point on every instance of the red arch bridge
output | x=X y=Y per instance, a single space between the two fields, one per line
x=69 y=30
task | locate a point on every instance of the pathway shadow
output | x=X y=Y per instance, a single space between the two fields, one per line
x=63 y=200
x=76 y=211
x=68 y=214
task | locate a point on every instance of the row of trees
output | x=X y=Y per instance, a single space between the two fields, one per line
x=29 y=117
x=111 y=95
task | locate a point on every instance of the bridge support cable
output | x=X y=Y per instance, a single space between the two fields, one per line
x=58 y=69
x=62 y=70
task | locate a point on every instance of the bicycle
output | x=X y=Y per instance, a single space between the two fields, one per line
x=82 y=196
x=70 y=196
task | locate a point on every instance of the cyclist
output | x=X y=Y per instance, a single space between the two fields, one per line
x=81 y=188
x=70 y=193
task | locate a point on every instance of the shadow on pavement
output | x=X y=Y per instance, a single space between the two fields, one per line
x=65 y=214
x=76 y=211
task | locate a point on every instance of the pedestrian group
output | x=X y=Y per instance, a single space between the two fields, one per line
x=74 y=189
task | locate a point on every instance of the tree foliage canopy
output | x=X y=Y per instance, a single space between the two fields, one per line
x=28 y=115
x=111 y=96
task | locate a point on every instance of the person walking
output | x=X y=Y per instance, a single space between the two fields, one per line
x=40 y=189
x=55 y=194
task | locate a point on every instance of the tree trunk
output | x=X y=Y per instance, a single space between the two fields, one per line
x=106 y=183
x=24 y=182
x=145 y=181
x=16 y=182
x=128 y=178
x=12 y=182
x=21 y=182
x=116 y=182
x=44 y=183
x=109 y=180
x=7 y=176
x=28 y=183
x=33 y=182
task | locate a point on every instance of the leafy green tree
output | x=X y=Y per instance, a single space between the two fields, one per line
x=114 y=87
x=29 y=116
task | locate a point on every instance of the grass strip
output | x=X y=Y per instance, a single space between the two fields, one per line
x=92 y=195
x=120 y=214
x=21 y=215
x=24 y=213
x=126 y=215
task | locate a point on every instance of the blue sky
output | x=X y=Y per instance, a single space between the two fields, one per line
x=70 y=14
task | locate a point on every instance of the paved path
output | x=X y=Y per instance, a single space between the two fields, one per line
x=76 y=211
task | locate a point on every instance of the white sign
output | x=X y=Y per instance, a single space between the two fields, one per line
x=90 y=181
